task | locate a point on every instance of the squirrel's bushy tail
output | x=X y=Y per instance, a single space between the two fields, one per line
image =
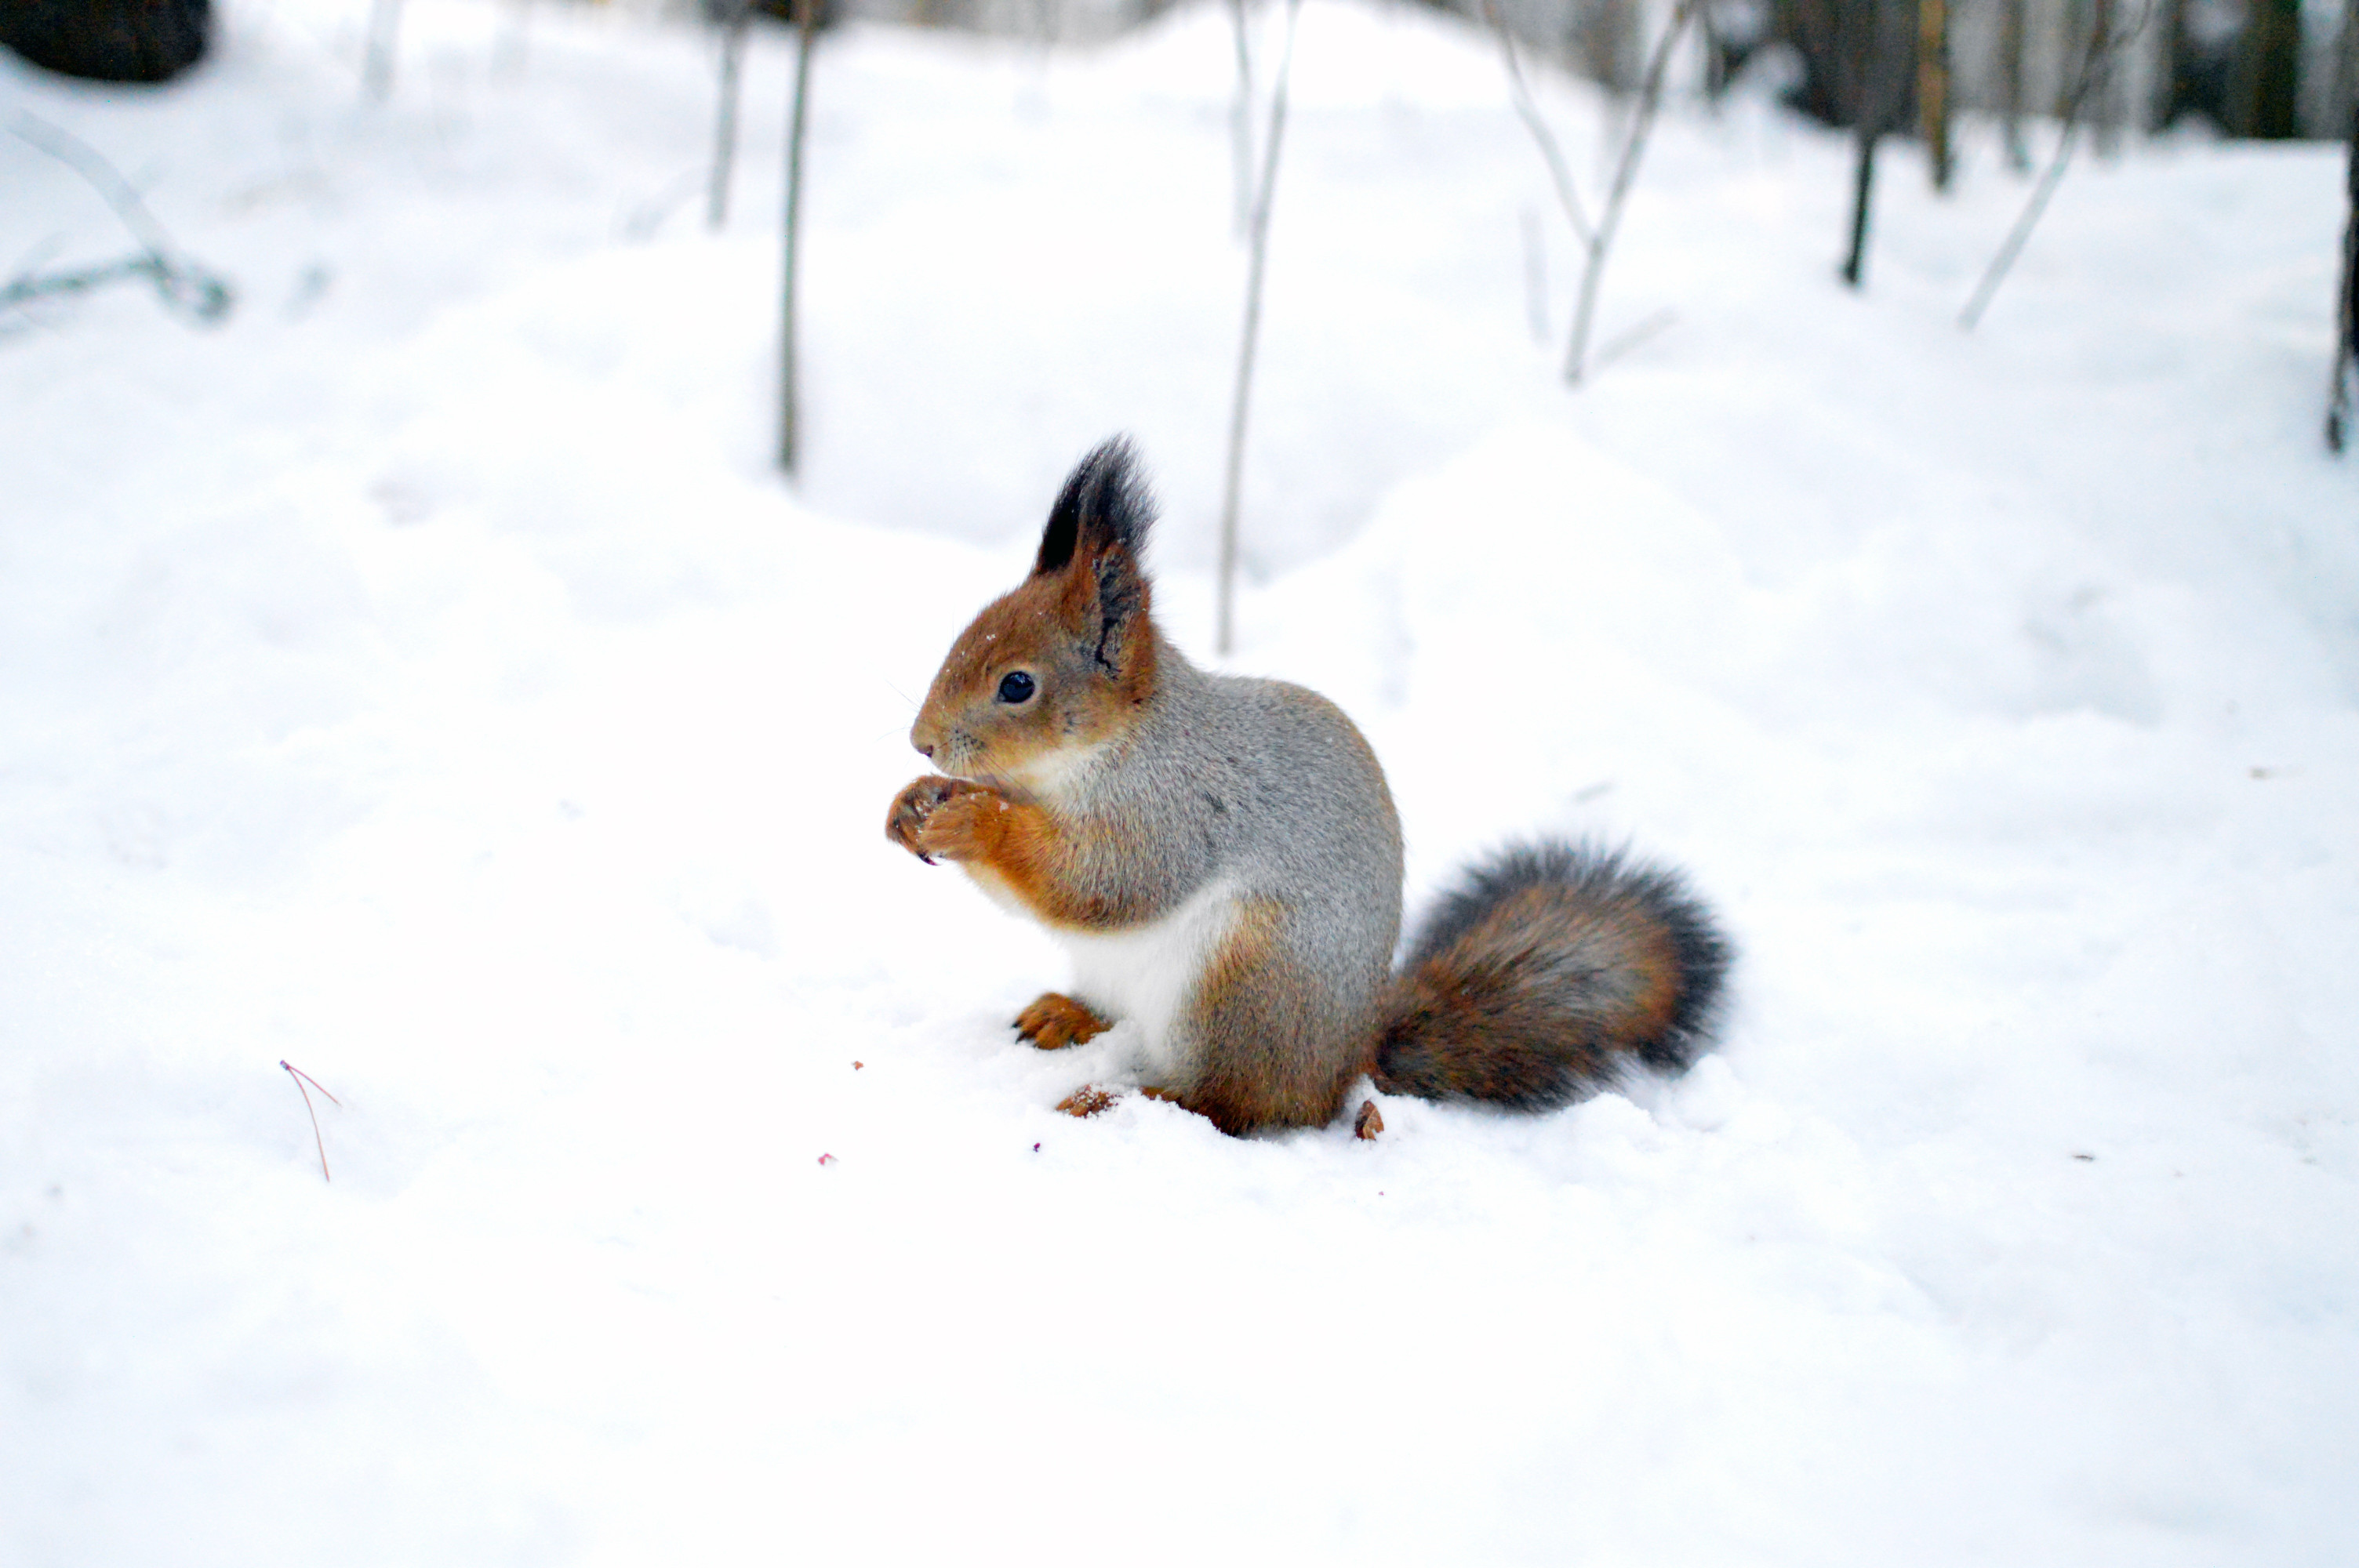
x=1549 y=969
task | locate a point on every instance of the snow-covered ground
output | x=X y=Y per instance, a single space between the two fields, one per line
x=423 y=679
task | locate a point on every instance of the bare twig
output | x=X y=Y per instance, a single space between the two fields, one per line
x=2346 y=297
x=1634 y=147
x=1529 y=110
x=789 y=407
x=1596 y=238
x=1259 y=239
x=301 y=1078
x=1536 y=301
x=1630 y=338
x=2346 y=304
x=202 y=295
x=724 y=131
x=171 y=285
x=1241 y=148
x=104 y=178
x=2095 y=65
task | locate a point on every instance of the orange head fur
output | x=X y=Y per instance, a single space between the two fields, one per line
x=1049 y=674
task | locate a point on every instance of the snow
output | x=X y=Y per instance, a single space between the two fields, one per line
x=422 y=678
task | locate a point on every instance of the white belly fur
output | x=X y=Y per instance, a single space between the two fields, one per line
x=1145 y=974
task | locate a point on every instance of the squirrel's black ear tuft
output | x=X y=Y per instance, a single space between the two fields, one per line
x=1104 y=504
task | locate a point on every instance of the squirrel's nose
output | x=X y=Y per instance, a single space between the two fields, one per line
x=921 y=736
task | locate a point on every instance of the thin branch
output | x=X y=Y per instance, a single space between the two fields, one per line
x=1634 y=147
x=1614 y=348
x=29 y=286
x=1234 y=481
x=2338 y=395
x=790 y=405
x=301 y=1078
x=1241 y=147
x=1529 y=110
x=724 y=131
x=2103 y=45
x=2346 y=304
x=2347 y=298
x=2011 y=42
x=104 y=178
x=201 y=294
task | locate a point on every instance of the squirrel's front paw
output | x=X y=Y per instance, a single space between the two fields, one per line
x=1054 y=1022
x=916 y=807
x=964 y=825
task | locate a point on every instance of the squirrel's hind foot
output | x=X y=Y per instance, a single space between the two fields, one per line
x=1088 y=1100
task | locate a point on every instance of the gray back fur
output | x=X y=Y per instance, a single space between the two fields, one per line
x=1266 y=785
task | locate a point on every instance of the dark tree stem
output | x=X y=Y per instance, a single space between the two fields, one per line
x=2347 y=335
x=1862 y=184
x=1878 y=79
x=2011 y=44
x=1933 y=85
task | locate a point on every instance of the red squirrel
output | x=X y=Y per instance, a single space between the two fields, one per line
x=1222 y=858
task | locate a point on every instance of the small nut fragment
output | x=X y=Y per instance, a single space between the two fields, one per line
x=1369 y=1123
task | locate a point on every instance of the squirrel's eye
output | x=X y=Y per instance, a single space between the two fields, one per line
x=1016 y=686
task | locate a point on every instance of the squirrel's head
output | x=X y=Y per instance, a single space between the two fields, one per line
x=1050 y=673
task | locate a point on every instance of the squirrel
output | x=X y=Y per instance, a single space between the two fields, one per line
x=1222 y=858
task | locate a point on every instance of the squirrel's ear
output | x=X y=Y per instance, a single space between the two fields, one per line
x=1104 y=507
x=1096 y=534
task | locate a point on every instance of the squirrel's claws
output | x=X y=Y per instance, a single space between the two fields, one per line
x=962 y=824
x=1056 y=1020
x=914 y=809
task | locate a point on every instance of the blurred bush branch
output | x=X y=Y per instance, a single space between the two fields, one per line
x=202 y=295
